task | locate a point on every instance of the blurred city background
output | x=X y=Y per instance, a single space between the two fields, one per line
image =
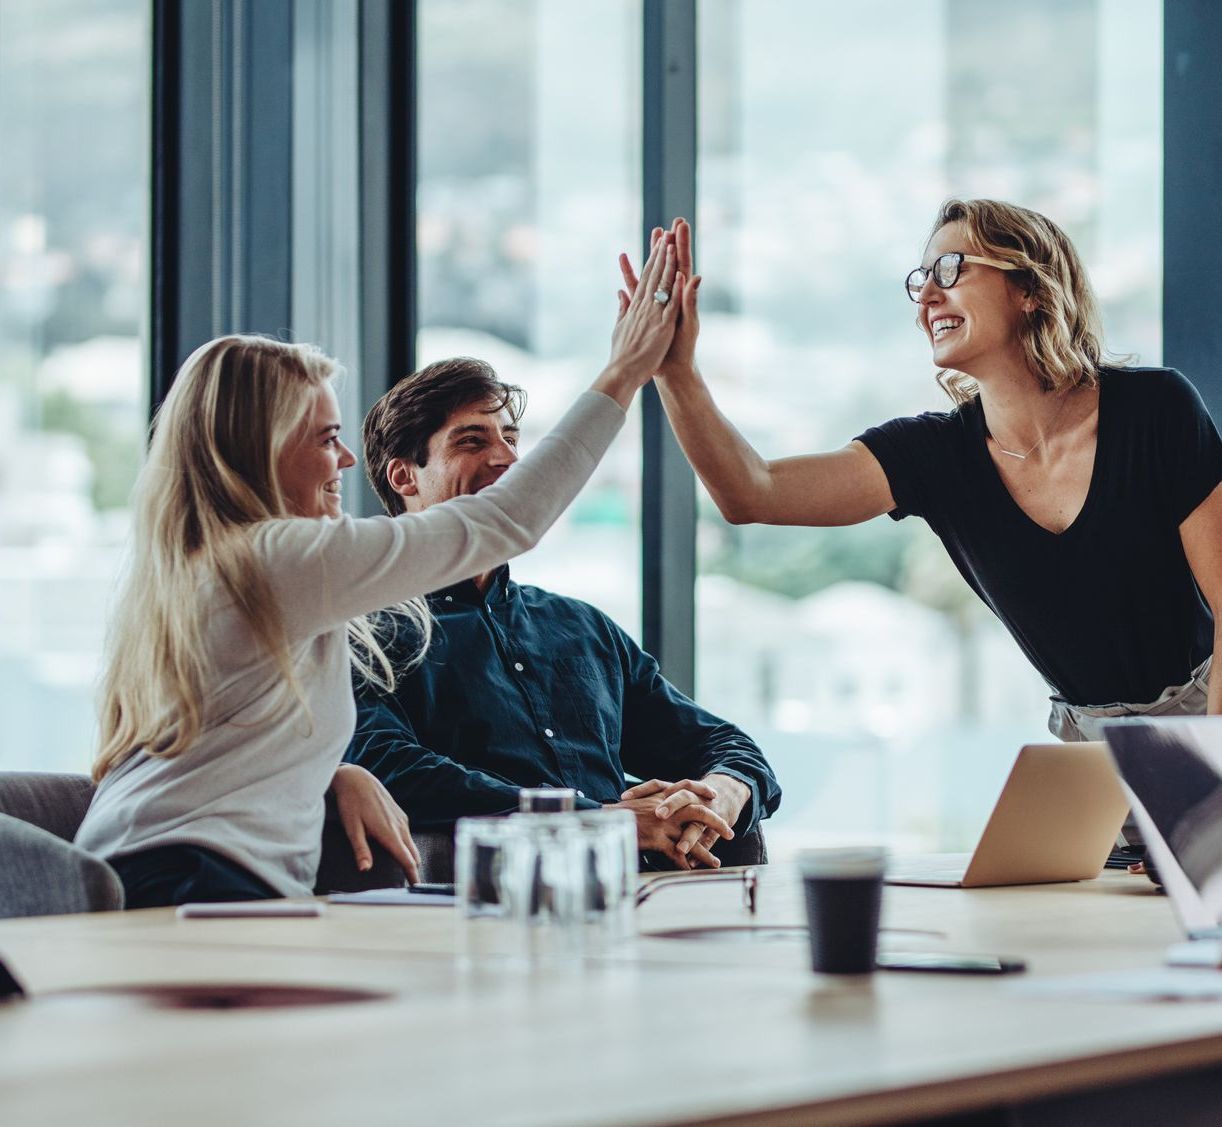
x=889 y=700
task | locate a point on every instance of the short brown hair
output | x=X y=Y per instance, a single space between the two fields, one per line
x=404 y=420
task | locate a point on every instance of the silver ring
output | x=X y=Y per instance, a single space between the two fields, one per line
x=661 y=296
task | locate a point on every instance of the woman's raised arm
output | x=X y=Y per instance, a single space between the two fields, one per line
x=844 y=486
x=329 y=571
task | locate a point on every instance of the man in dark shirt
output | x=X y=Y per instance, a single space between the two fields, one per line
x=521 y=687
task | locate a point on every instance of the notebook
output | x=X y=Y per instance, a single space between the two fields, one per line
x=1172 y=771
x=1056 y=819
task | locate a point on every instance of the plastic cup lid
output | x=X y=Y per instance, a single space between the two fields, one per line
x=844 y=861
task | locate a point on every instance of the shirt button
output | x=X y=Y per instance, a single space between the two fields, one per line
x=548 y=733
x=518 y=666
x=449 y=598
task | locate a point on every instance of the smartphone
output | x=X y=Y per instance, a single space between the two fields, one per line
x=949 y=964
x=432 y=888
x=246 y=909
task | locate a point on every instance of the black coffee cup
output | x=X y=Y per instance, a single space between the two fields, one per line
x=844 y=892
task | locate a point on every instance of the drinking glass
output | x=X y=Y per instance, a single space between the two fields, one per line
x=609 y=863
x=546 y=800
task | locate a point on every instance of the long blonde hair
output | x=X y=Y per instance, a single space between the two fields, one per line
x=1062 y=337
x=210 y=477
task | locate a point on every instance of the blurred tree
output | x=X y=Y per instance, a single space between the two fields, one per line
x=799 y=562
x=114 y=445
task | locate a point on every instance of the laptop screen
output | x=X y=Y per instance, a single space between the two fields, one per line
x=1172 y=770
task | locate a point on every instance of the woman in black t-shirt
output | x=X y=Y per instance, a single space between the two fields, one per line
x=1078 y=500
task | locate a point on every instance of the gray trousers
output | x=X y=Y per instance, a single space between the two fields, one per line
x=1075 y=724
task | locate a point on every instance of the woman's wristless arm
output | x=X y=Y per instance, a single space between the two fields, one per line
x=840 y=487
x=731 y=470
x=735 y=475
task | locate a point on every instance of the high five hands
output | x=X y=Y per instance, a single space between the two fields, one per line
x=680 y=357
x=645 y=326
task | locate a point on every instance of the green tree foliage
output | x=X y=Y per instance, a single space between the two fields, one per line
x=800 y=561
x=111 y=441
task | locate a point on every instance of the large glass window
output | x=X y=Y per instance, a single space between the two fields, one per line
x=529 y=186
x=73 y=190
x=888 y=698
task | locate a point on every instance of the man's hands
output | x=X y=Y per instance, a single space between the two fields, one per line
x=681 y=356
x=367 y=810
x=683 y=820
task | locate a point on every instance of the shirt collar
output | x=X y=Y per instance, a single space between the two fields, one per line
x=467 y=592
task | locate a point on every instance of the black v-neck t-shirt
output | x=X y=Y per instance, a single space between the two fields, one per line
x=1108 y=610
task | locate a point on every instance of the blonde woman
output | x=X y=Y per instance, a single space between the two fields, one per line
x=226 y=702
x=1079 y=499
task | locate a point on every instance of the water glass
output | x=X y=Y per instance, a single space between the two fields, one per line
x=610 y=864
x=546 y=800
x=545 y=887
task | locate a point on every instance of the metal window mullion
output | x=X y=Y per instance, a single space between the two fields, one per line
x=222 y=156
x=326 y=199
x=388 y=200
x=219 y=166
x=183 y=218
x=668 y=489
x=1192 y=183
x=262 y=171
x=165 y=168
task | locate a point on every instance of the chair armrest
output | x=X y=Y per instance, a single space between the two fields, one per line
x=52 y=801
x=43 y=875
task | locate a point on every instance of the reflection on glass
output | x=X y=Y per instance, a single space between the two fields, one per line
x=73 y=198
x=529 y=186
x=888 y=699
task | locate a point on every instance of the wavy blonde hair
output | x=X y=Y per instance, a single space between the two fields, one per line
x=210 y=478
x=1062 y=337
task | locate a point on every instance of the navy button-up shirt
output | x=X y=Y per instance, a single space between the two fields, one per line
x=524 y=688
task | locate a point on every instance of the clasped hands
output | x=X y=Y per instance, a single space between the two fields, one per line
x=684 y=819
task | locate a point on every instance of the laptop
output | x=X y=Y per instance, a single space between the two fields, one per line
x=1172 y=772
x=1056 y=819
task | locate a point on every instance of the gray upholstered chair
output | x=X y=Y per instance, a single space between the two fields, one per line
x=43 y=873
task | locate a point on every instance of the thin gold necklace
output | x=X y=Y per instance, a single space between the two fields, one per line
x=1039 y=441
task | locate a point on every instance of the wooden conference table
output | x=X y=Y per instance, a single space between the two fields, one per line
x=670 y=1030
